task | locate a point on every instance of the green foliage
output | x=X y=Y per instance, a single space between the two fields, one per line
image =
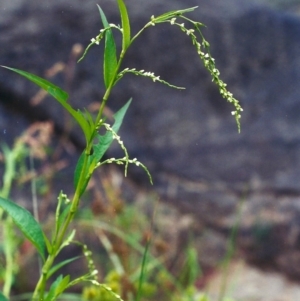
x=125 y=24
x=57 y=287
x=2 y=297
x=53 y=90
x=62 y=97
x=26 y=223
x=110 y=53
x=62 y=234
x=99 y=149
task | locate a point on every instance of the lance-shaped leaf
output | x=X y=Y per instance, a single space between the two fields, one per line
x=60 y=265
x=110 y=53
x=26 y=223
x=105 y=141
x=60 y=95
x=57 y=287
x=99 y=149
x=125 y=24
x=53 y=90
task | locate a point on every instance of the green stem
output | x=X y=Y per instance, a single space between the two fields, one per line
x=38 y=294
x=40 y=287
x=9 y=235
x=146 y=26
x=9 y=250
x=109 y=88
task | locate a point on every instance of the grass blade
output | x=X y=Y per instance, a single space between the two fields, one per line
x=110 y=53
x=26 y=223
x=125 y=24
x=143 y=271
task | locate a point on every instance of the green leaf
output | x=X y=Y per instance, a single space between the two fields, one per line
x=60 y=265
x=26 y=223
x=110 y=53
x=173 y=14
x=2 y=297
x=53 y=90
x=79 y=169
x=106 y=140
x=60 y=95
x=51 y=294
x=62 y=285
x=67 y=240
x=48 y=244
x=119 y=116
x=99 y=149
x=57 y=287
x=63 y=215
x=125 y=24
x=89 y=118
x=86 y=127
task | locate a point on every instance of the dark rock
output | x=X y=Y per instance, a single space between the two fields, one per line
x=188 y=139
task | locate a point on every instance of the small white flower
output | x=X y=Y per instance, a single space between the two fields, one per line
x=94 y=282
x=188 y=32
x=173 y=21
